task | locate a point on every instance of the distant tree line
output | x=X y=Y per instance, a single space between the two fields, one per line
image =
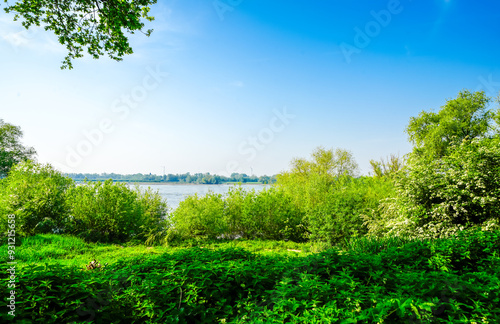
x=198 y=178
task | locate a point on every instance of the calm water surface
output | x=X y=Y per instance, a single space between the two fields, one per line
x=178 y=192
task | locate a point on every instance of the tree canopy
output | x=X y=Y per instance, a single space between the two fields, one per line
x=466 y=117
x=389 y=167
x=326 y=162
x=326 y=169
x=95 y=26
x=11 y=150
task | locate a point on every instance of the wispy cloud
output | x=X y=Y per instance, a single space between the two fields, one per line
x=35 y=38
x=16 y=39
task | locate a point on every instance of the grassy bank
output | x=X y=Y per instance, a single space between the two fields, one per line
x=364 y=281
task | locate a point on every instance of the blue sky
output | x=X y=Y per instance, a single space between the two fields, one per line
x=235 y=86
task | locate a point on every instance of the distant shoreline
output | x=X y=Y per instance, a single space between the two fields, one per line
x=196 y=184
x=178 y=183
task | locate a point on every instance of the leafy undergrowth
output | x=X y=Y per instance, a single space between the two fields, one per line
x=440 y=281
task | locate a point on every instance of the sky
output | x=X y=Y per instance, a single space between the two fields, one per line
x=248 y=85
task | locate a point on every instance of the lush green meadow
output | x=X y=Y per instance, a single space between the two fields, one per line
x=451 y=280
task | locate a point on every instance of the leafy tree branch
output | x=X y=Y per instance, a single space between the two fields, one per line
x=98 y=27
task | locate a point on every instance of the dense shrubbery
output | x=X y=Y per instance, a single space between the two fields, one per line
x=451 y=182
x=439 y=197
x=332 y=200
x=337 y=212
x=452 y=178
x=268 y=214
x=317 y=200
x=200 y=216
x=44 y=201
x=319 y=205
x=107 y=211
x=36 y=195
x=420 y=243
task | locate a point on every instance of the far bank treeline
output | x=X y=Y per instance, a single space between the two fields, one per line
x=196 y=178
x=449 y=183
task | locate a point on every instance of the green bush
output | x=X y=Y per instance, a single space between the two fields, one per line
x=334 y=202
x=438 y=198
x=337 y=213
x=271 y=214
x=268 y=214
x=155 y=221
x=36 y=195
x=235 y=202
x=200 y=217
x=107 y=211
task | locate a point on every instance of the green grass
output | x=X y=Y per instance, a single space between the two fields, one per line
x=72 y=251
x=365 y=281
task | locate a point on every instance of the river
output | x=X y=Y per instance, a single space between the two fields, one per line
x=175 y=193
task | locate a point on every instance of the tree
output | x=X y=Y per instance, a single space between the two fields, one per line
x=97 y=26
x=451 y=179
x=307 y=178
x=466 y=117
x=389 y=167
x=11 y=150
x=326 y=162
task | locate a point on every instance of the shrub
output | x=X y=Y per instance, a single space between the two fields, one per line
x=336 y=213
x=333 y=201
x=271 y=214
x=200 y=216
x=36 y=195
x=437 y=198
x=107 y=211
x=235 y=203
x=268 y=214
x=154 y=214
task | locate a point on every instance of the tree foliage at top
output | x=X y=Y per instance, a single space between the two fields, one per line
x=11 y=150
x=96 y=26
x=389 y=167
x=326 y=162
x=326 y=168
x=466 y=117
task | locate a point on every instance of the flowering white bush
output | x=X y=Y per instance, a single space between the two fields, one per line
x=437 y=198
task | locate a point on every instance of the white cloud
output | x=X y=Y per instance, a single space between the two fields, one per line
x=15 y=34
x=16 y=39
x=35 y=38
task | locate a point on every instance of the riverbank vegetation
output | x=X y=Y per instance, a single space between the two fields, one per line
x=185 y=178
x=418 y=240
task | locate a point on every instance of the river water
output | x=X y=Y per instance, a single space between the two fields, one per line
x=175 y=193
